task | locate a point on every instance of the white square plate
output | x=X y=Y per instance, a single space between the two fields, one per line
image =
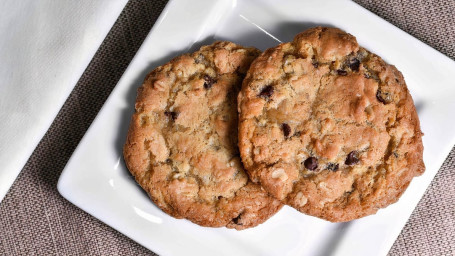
x=96 y=179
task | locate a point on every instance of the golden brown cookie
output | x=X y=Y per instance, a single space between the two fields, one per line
x=328 y=127
x=182 y=141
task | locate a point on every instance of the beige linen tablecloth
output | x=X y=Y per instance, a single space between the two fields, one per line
x=35 y=219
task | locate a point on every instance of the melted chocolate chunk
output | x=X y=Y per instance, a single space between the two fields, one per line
x=266 y=92
x=199 y=59
x=352 y=158
x=240 y=74
x=333 y=166
x=286 y=129
x=311 y=163
x=354 y=64
x=237 y=219
x=383 y=97
x=314 y=62
x=208 y=82
x=342 y=72
x=171 y=114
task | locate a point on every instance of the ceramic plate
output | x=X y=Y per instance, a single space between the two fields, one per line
x=96 y=179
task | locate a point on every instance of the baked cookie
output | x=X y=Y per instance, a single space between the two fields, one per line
x=182 y=142
x=328 y=127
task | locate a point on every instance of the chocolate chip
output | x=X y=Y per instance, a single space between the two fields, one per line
x=266 y=92
x=333 y=166
x=314 y=62
x=286 y=129
x=354 y=64
x=237 y=219
x=395 y=154
x=209 y=81
x=352 y=158
x=240 y=74
x=342 y=72
x=311 y=163
x=199 y=59
x=171 y=114
x=383 y=97
x=168 y=161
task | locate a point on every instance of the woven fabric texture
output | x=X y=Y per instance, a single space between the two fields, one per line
x=36 y=220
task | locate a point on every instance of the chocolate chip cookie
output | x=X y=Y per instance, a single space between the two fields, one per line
x=182 y=142
x=328 y=127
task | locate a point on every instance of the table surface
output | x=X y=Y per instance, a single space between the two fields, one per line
x=35 y=219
